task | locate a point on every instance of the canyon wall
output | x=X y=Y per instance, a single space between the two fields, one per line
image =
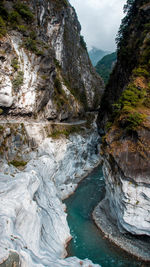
x=45 y=69
x=124 y=122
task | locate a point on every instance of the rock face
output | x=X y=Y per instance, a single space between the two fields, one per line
x=127 y=184
x=45 y=68
x=33 y=220
x=126 y=147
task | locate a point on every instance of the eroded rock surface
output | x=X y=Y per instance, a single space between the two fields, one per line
x=45 y=69
x=33 y=219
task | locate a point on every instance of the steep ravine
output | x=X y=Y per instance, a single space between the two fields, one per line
x=49 y=96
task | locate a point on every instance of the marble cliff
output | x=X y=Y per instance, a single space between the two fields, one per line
x=46 y=78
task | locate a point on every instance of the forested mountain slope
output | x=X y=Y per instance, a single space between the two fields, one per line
x=96 y=54
x=105 y=66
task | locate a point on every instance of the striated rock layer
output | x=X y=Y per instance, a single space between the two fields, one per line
x=33 y=221
x=45 y=69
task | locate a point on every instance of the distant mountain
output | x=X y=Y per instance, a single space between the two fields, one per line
x=96 y=54
x=105 y=65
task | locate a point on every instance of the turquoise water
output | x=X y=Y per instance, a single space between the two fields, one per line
x=87 y=240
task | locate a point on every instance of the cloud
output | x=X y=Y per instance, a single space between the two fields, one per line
x=100 y=20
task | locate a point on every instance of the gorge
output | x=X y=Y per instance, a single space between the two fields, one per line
x=58 y=122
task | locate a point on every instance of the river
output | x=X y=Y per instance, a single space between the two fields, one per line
x=88 y=242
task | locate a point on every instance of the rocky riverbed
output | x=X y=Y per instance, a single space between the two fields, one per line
x=136 y=246
x=33 y=221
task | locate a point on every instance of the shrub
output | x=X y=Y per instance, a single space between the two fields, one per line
x=32 y=35
x=108 y=125
x=2 y=27
x=24 y=11
x=127 y=109
x=1 y=111
x=15 y=64
x=141 y=72
x=18 y=81
x=132 y=96
x=133 y=120
x=66 y=131
x=22 y=28
x=18 y=163
x=39 y=52
x=14 y=17
x=31 y=44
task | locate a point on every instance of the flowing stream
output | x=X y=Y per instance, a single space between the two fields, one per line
x=88 y=242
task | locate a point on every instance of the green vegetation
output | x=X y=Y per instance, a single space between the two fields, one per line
x=18 y=81
x=59 y=4
x=1 y=111
x=129 y=10
x=44 y=77
x=108 y=125
x=125 y=110
x=24 y=11
x=140 y=71
x=127 y=96
x=15 y=64
x=57 y=133
x=57 y=64
x=96 y=55
x=133 y=120
x=14 y=17
x=105 y=65
x=132 y=96
x=3 y=30
x=18 y=163
x=22 y=28
x=32 y=45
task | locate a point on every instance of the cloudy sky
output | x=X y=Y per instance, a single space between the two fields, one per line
x=100 y=20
